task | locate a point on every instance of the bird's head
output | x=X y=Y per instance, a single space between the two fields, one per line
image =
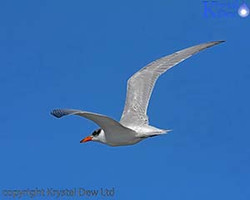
x=97 y=135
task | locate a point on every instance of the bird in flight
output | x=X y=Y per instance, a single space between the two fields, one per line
x=134 y=125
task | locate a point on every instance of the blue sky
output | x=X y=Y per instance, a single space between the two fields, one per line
x=79 y=54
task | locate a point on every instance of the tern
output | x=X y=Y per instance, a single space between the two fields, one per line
x=134 y=124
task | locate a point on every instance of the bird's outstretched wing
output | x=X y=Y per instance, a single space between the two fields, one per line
x=109 y=125
x=141 y=84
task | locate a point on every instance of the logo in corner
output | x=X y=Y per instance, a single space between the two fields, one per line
x=225 y=8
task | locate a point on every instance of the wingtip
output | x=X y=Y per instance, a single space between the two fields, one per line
x=56 y=113
x=221 y=41
x=212 y=43
x=218 y=42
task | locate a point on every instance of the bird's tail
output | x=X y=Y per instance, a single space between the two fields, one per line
x=165 y=131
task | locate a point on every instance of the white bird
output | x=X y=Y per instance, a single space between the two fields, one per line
x=134 y=125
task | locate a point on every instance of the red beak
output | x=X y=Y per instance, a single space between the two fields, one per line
x=87 y=139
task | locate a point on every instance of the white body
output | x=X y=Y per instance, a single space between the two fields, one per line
x=129 y=136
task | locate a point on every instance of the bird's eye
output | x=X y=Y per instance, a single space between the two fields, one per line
x=96 y=132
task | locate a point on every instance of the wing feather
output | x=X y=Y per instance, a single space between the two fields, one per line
x=109 y=125
x=141 y=84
